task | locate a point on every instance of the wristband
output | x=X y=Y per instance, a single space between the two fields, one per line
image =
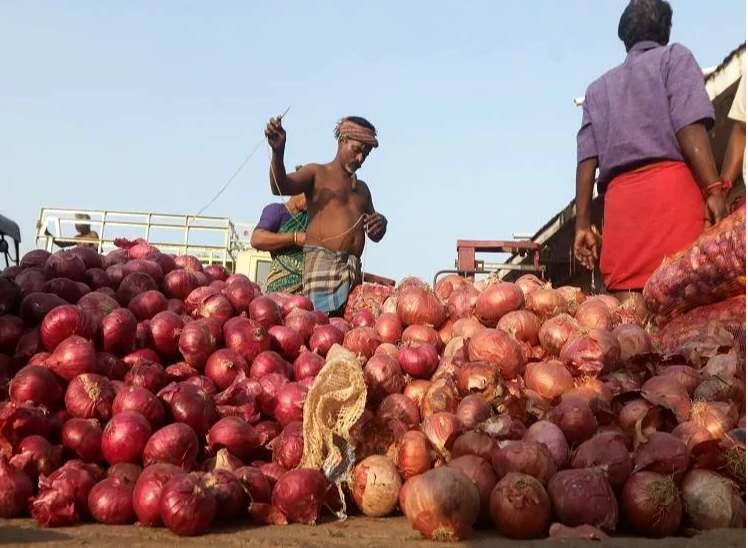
x=711 y=189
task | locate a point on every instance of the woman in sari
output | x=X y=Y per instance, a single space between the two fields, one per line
x=281 y=231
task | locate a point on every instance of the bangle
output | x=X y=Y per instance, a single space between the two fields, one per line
x=294 y=238
x=726 y=183
x=711 y=189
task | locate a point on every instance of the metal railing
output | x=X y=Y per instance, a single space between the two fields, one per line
x=212 y=239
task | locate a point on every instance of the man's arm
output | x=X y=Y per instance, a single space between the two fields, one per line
x=732 y=167
x=375 y=224
x=585 y=183
x=290 y=184
x=265 y=240
x=694 y=144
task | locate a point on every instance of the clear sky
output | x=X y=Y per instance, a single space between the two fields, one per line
x=151 y=105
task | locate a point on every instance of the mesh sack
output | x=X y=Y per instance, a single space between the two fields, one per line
x=333 y=405
x=367 y=296
x=712 y=269
x=705 y=329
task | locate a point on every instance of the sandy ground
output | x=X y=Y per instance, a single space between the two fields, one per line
x=358 y=532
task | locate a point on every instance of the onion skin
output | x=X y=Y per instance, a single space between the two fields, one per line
x=442 y=504
x=376 y=486
x=651 y=504
x=662 y=453
x=520 y=507
x=571 y=491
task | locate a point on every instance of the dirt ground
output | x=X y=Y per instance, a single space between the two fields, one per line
x=358 y=532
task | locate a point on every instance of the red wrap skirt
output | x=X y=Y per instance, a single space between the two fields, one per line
x=650 y=213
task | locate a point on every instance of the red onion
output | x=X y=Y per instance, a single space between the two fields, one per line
x=175 y=444
x=116 y=273
x=307 y=365
x=302 y=321
x=234 y=434
x=633 y=340
x=421 y=334
x=474 y=443
x=594 y=314
x=63 y=322
x=83 y=438
x=651 y=504
x=11 y=330
x=110 y=502
x=546 y=303
x=36 y=456
x=125 y=438
x=31 y=280
x=265 y=311
x=190 y=405
x=556 y=332
x=498 y=348
x=222 y=461
x=36 y=385
x=285 y=341
x=147 y=304
x=166 y=262
x=16 y=488
x=134 y=284
x=668 y=393
x=35 y=307
x=414 y=455
x=550 y=379
x=247 y=337
x=594 y=353
x=686 y=375
x=376 y=486
x=65 y=264
x=442 y=396
x=255 y=484
x=166 y=328
x=461 y=303
x=97 y=278
x=442 y=429
x=363 y=318
x=176 y=306
x=127 y=472
x=118 y=331
x=90 y=396
x=388 y=327
x=575 y=419
x=289 y=404
x=473 y=410
x=270 y=386
x=72 y=357
x=147 y=493
x=223 y=366
x=716 y=417
x=36 y=258
x=298 y=495
x=419 y=306
x=196 y=343
x=526 y=457
x=324 y=337
x=179 y=284
x=691 y=434
x=383 y=377
x=523 y=325
x=442 y=504
x=228 y=493
x=362 y=341
x=66 y=289
x=189 y=263
x=187 y=507
x=20 y=420
x=571 y=493
x=415 y=390
x=709 y=500
x=553 y=438
x=89 y=256
x=272 y=471
x=480 y=378
x=529 y=283
x=268 y=362
x=147 y=375
x=216 y=271
x=288 y=447
x=63 y=496
x=520 y=507
x=401 y=408
x=662 y=453
x=497 y=300
x=215 y=306
x=418 y=360
x=140 y=400
x=605 y=449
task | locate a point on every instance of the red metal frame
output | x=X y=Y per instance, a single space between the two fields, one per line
x=466 y=250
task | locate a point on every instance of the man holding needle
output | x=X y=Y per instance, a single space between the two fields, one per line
x=340 y=208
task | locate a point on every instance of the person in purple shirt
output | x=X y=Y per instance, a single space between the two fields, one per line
x=644 y=130
x=282 y=232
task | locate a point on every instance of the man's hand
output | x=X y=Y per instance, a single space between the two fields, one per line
x=585 y=247
x=301 y=239
x=716 y=207
x=375 y=226
x=276 y=135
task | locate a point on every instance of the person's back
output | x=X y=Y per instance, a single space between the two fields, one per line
x=637 y=108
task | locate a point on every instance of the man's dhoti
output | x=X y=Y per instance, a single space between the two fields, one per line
x=329 y=277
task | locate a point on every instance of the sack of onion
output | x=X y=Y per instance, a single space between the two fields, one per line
x=179 y=396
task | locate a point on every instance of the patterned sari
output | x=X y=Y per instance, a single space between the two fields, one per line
x=288 y=265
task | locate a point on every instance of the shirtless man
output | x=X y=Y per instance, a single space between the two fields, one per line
x=341 y=211
x=84 y=232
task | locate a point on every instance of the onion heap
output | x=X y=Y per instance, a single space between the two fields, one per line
x=148 y=388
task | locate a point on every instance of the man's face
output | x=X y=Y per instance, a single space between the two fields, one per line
x=353 y=154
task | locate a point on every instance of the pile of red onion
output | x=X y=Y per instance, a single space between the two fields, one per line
x=141 y=387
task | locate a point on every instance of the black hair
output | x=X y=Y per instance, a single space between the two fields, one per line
x=645 y=20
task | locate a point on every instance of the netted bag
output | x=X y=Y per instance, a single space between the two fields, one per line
x=709 y=271
x=367 y=296
x=333 y=405
x=704 y=329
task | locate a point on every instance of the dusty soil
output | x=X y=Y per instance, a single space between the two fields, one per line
x=358 y=532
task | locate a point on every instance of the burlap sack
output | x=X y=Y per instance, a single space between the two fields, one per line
x=333 y=405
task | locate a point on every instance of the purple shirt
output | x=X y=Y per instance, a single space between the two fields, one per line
x=273 y=217
x=632 y=113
